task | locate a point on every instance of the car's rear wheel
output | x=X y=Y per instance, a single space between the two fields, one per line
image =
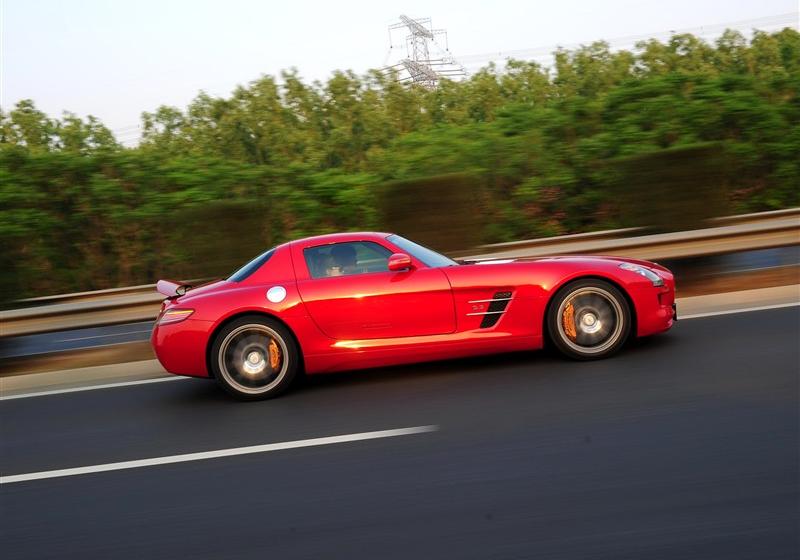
x=589 y=319
x=254 y=358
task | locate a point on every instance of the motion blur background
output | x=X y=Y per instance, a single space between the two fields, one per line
x=668 y=131
x=664 y=133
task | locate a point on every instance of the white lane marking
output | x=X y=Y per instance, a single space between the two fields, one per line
x=93 y=387
x=731 y=311
x=202 y=456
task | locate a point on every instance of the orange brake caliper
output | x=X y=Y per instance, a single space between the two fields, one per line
x=274 y=354
x=568 y=321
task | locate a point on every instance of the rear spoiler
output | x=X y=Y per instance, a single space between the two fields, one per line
x=172 y=289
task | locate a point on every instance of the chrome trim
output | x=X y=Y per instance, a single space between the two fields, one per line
x=489 y=300
x=487 y=312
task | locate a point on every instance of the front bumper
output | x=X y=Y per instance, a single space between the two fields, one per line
x=656 y=310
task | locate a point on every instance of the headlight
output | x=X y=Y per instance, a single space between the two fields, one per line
x=643 y=271
x=174 y=316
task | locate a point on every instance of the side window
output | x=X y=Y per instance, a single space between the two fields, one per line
x=342 y=259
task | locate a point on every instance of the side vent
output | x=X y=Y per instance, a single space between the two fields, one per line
x=496 y=308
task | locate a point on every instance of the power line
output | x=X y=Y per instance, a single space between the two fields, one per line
x=419 y=67
x=541 y=53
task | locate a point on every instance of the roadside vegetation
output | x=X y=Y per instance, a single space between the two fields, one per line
x=544 y=152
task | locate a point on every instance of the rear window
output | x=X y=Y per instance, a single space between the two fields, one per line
x=248 y=269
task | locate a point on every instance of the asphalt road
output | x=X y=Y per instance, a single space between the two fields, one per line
x=685 y=446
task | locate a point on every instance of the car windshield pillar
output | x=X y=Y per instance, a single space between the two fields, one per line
x=428 y=257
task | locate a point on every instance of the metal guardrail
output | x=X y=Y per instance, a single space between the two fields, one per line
x=60 y=298
x=742 y=230
x=106 y=310
x=729 y=234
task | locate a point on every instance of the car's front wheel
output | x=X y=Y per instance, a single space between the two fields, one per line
x=254 y=358
x=589 y=319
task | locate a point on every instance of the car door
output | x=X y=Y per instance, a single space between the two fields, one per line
x=364 y=300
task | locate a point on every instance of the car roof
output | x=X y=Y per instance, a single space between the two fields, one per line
x=340 y=237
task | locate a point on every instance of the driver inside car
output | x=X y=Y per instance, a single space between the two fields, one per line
x=343 y=261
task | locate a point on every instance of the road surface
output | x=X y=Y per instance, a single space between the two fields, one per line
x=684 y=446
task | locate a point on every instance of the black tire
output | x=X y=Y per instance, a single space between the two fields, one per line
x=599 y=326
x=247 y=365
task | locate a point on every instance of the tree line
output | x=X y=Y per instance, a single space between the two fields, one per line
x=545 y=149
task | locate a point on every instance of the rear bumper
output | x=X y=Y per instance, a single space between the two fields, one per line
x=181 y=347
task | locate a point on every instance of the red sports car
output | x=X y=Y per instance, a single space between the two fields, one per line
x=359 y=300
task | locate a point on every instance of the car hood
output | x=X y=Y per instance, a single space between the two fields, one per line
x=585 y=259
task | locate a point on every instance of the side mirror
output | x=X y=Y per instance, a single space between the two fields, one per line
x=400 y=261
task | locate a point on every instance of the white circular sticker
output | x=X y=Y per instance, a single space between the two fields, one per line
x=276 y=294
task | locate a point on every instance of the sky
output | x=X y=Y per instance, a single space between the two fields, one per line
x=116 y=59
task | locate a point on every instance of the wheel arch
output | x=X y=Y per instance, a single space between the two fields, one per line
x=566 y=283
x=249 y=313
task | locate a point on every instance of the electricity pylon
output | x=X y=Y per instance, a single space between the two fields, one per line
x=418 y=66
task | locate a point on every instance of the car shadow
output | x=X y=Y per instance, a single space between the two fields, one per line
x=544 y=362
x=521 y=362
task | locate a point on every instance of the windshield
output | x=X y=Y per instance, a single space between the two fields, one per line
x=427 y=256
x=251 y=267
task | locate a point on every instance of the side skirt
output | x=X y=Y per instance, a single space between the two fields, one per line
x=349 y=355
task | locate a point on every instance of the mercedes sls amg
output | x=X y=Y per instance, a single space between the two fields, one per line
x=359 y=300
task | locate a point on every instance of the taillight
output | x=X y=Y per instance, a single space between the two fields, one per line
x=174 y=316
